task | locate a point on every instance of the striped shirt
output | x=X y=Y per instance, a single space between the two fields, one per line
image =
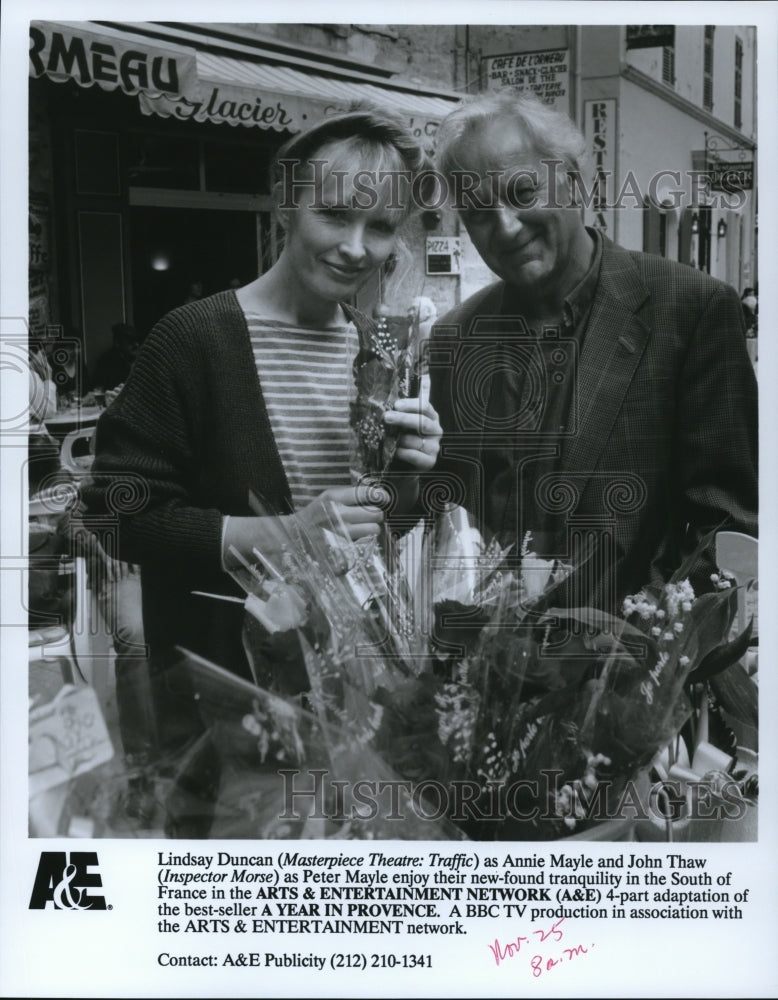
x=307 y=382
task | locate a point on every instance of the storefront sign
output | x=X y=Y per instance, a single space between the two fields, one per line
x=443 y=254
x=731 y=177
x=546 y=74
x=600 y=134
x=76 y=52
x=650 y=36
x=227 y=105
x=175 y=82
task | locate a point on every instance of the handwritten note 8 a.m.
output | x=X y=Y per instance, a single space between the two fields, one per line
x=554 y=953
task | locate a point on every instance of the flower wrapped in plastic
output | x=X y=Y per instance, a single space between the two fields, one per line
x=449 y=695
x=289 y=768
x=386 y=368
x=667 y=675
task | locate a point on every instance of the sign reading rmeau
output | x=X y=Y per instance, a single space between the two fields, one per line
x=65 y=880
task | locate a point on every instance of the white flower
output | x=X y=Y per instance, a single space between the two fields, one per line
x=660 y=614
x=684 y=661
x=678 y=627
x=535 y=574
x=714 y=578
x=687 y=606
x=656 y=630
x=668 y=636
x=251 y=725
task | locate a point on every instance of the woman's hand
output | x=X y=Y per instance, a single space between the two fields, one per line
x=111 y=394
x=420 y=431
x=358 y=508
x=361 y=509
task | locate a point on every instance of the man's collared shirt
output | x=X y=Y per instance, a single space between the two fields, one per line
x=533 y=393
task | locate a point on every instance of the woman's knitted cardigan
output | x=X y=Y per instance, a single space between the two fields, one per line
x=187 y=441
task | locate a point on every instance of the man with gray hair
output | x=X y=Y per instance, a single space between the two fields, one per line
x=598 y=398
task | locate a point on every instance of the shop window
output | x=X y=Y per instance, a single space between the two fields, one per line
x=97 y=163
x=178 y=254
x=668 y=64
x=738 y=83
x=704 y=238
x=707 y=72
x=654 y=229
x=102 y=278
x=163 y=161
x=694 y=237
x=235 y=168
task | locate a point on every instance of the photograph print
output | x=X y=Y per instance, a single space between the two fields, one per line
x=393 y=436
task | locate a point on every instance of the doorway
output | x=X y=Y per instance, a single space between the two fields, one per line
x=182 y=253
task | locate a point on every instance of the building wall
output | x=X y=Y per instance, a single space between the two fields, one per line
x=689 y=69
x=645 y=115
x=450 y=58
x=642 y=118
x=420 y=53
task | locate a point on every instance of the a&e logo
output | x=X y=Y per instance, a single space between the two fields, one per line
x=66 y=880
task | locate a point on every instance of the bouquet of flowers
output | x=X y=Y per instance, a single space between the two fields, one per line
x=452 y=684
x=328 y=636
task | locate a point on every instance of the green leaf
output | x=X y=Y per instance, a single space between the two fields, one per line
x=607 y=625
x=709 y=623
x=553 y=701
x=737 y=694
x=706 y=544
x=722 y=657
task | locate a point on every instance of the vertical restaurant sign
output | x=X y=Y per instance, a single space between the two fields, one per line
x=546 y=74
x=65 y=51
x=600 y=180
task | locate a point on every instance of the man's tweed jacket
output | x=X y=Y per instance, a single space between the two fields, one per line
x=662 y=447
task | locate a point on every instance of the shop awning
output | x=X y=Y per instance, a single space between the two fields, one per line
x=239 y=92
x=188 y=84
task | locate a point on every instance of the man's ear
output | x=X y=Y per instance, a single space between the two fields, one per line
x=572 y=189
